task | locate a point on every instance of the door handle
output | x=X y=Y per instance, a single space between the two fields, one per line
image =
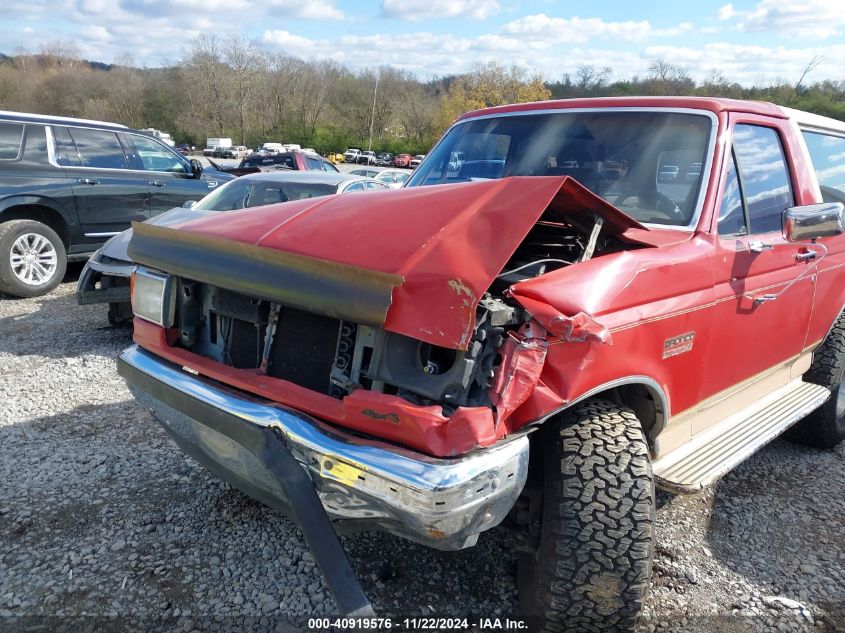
x=806 y=256
x=757 y=246
x=155 y=183
x=88 y=181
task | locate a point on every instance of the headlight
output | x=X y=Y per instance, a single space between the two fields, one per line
x=152 y=297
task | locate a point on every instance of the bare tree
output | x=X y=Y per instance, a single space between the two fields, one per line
x=246 y=65
x=814 y=63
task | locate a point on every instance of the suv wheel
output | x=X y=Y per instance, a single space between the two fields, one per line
x=591 y=569
x=32 y=258
x=825 y=427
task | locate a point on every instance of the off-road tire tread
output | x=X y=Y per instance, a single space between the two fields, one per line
x=594 y=561
x=9 y=284
x=821 y=429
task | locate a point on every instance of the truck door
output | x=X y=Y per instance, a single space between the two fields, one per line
x=752 y=342
x=168 y=175
x=109 y=195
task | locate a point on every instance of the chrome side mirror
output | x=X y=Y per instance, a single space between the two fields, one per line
x=813 y=221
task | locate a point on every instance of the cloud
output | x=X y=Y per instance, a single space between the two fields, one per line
x=726 y=12
x=808 y=19
x=579 y=30
x=750 y=65
x=307 y=9
x=435 y=9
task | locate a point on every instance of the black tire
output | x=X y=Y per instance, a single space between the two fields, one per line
x=592 y=568
x=10 y=283
x=825 y=427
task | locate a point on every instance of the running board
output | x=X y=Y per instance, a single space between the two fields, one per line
x=725 y=445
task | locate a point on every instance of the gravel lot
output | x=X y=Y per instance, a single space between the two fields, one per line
x=104 y=523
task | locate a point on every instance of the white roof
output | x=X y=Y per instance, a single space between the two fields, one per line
x=808 y=119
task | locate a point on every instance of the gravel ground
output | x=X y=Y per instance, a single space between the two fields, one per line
x=102 y=517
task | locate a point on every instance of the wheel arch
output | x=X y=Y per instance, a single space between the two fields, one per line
x=40 y=209
x=643 y=394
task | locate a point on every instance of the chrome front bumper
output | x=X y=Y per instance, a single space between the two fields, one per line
x=362 y=483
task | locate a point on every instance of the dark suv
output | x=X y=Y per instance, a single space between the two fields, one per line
x=67 y=185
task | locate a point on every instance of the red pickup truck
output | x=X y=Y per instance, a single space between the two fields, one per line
x=538 y=336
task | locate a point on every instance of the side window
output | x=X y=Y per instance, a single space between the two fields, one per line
x=66 y=153
x=11 y=138
x=284 y=161
x=763 y=176
x=827 y=153
x=314 y=163
x=732 y=212
x=327 y=166
x=355 y=186
x=155 y=157
x=35 y=143
x=98 y=148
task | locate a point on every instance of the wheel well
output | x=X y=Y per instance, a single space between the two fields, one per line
x=39 y=213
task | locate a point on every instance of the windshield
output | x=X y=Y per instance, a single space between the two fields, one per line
x=240 y=193
x=648 y=164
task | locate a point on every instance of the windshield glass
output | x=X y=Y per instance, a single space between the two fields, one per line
x=240 y=193
x=648 y=164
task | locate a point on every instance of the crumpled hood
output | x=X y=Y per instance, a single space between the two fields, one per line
x=415 y=260
x=117 y=246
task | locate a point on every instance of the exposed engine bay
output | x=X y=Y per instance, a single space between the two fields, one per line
x=335 y=357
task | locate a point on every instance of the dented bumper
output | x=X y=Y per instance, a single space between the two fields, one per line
x=362 y=484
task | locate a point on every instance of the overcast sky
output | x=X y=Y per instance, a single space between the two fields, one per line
x=749 y=42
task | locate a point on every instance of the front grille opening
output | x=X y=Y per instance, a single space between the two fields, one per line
x=303 y=349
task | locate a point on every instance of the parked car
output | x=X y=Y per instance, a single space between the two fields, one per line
x=402 y=160
x=693 y=171
x=209 y=151
x=105 y=277
x=544 y=347
x=393 y=178
x=335 y=157
x=185 y=149
x=367 y=158
x=221 y=151
x=236 y=151
x=67 y=185
x=416 y=160
x=668 y=173
x=351 y=155
x=365 y=171
x=295 y=160
x=384 y=159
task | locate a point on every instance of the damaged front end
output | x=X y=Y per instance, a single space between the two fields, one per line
x=396 y=345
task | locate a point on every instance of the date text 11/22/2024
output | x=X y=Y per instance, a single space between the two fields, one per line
x=416 y=624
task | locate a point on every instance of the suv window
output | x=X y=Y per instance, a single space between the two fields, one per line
x=66 y=153
x=155 y=157
x=827 y=153
x=763 y=177
x=11 y=138
x=98 y=148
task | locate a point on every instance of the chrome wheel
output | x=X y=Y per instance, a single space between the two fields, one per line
x=34 y=259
